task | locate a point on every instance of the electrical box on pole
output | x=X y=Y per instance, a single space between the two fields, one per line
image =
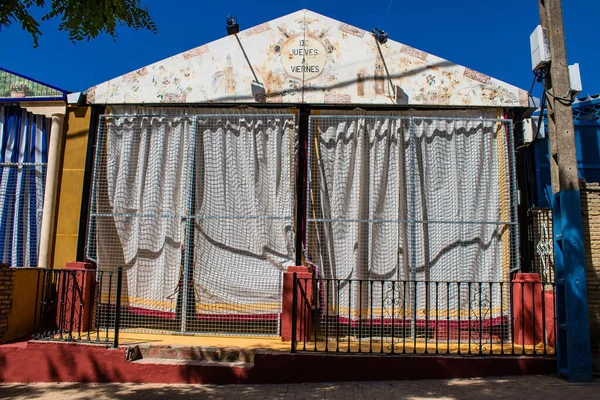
x=574 y=80
x=539 y=42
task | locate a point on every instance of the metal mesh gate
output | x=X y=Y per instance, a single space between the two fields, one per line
x=541 y=241
x=198 y=209
x=411 y=200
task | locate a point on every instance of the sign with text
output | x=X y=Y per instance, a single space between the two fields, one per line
x=303 y=57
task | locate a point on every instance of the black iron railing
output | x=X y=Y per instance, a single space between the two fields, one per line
x=70 y=305
x=302 y=313
x=423 y=317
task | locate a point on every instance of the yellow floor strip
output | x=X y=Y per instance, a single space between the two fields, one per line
x=356 y=345
x=161 y=339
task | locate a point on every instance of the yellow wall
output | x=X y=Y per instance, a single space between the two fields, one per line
x=20 y=317
x=77 y=123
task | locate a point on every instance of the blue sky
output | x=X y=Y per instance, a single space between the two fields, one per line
x=487 y=36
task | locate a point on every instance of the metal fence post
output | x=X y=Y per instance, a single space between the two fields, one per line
x=118 y=306
x=294 y=311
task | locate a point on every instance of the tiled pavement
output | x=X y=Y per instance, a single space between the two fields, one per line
x=525 y=387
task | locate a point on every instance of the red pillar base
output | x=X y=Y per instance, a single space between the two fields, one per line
x=533 y=318
x=76 y=295
x=305 y=278
x=549 y=305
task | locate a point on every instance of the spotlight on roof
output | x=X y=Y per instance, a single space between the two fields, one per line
x=380 y=35
x=232 y=26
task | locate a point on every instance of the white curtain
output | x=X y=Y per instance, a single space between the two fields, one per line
x=401 y=198
x=459 y=192
x=456 y=189
x=356 y=199
x=355 y=178
x=243 y=216
x=239 y=166
x=141 y=207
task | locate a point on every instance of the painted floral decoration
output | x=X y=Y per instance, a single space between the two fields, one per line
x=430 y=79
x=18 y=90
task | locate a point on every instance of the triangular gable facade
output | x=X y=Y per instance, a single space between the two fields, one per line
x=308 y=58
x=17 y=87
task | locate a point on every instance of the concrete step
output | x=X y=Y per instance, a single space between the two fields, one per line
x=171 y=361
x=190 y=353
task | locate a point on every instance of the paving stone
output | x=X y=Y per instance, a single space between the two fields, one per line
x=522 y=387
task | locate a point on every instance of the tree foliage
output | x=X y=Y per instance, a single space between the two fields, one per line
x=82 y=19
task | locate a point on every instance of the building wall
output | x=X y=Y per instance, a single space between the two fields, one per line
x=307 y=58
x=6 y=289
x=17 y=302
x=21 y=316
x=77 y=124
x=587 y=142
x=590 y=207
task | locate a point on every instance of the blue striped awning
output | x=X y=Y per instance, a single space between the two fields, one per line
x=23 y=158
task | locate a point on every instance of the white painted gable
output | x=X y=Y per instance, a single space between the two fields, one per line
x=305 y=57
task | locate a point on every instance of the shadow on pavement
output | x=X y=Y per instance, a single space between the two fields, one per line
x=530 y=387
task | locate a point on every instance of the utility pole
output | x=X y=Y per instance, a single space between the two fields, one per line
x=573 y=338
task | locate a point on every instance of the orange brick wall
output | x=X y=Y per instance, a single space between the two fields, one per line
x=590 y=207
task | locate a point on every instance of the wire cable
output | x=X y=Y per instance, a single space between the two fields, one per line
x=386 y=13
x=539 y=76
x=562 y=100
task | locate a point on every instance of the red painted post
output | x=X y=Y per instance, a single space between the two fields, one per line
x=528 y=323
x=303 y=275
x=549 y=305
x=84 y=290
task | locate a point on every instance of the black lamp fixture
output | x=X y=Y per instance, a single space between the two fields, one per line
x=380 y=35
x=232 y=26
